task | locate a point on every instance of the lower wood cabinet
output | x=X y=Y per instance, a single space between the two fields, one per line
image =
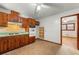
x=12 y=42
x=24 y=40
x=17 y=42
x=31 y=39
x=3 y=45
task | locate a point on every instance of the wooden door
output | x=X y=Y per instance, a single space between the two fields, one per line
x=41 y=32
x=78 y=31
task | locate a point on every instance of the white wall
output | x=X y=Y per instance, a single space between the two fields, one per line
x=52 y=25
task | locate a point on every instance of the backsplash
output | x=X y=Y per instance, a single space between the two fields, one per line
x=12 y=27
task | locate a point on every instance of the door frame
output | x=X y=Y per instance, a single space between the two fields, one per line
x=77 y=28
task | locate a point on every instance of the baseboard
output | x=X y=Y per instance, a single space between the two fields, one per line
x=50 y=41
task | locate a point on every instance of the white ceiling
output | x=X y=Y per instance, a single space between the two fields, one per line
x=47 y=9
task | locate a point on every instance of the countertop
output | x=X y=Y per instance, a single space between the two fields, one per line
x=5 y=34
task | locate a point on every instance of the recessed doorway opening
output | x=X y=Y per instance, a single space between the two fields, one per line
x=69 y=31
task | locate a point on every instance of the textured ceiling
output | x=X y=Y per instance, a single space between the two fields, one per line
x=47 y=9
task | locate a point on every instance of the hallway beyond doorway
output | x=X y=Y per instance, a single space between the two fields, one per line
x=69 y=41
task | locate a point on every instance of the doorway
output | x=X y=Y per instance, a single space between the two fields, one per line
x=69 y=31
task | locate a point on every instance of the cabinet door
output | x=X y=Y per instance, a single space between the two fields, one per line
x=22 y=40
x=25 y=22
x=31 y=39
x=3 y=19
x=17 y=41
x=26 y=37
x=5 y=45
x=14 y=16
x=11 y=43
x=33 y=22
x=1 y=46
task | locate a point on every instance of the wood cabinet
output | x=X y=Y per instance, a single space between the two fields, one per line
x=31 y=21
x=31 y=39
x=3 y=19
x=12 y=42
x=34 y=22
x=14 y=16
x=37 y=23
x=24 y=40
x=3 y=45
x=17 y=41
x=27 y=23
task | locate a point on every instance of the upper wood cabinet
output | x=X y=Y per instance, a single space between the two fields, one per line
x=37 y=23
x=25 y=23
x=31 y=21
x=3 y=19
x=14 y=16
x=28 y=22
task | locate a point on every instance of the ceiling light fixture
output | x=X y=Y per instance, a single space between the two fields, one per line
x=38 y=7
x=44 y=6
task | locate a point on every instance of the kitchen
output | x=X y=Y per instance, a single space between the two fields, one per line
x=16 y=31
x=34 y=28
